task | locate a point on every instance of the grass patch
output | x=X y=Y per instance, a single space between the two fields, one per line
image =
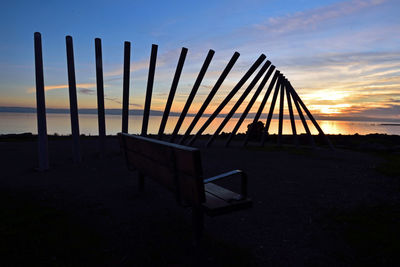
x=390 y=166
x=372 y=233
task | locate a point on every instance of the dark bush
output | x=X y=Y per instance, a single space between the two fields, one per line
x=256 y=130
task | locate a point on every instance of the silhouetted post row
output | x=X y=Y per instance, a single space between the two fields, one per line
x=149 y=90
x=100 y=96
x=210 y=96
x=310 y=116
x=41 y=105
x=281 y=104
x=229 y=97
x=171 y=95
x=125 y=87
x=292 y=120
x=261 y=107
x=303 y=120
x=271 y=110
x=278 y=82
x=192 y=94
x=250 y=105
x=73 y=102
x=239 y=101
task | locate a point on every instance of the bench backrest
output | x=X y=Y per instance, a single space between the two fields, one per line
x=176 y=167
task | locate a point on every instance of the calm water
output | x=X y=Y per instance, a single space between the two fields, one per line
x=60 y=123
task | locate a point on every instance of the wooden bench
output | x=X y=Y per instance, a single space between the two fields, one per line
x=179 y=169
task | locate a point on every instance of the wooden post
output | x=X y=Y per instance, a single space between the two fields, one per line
x=250 y=105
x=229 y=97
x=125 y=87
x=171 y=95
x=73 y=102
x=271 y=109
x=41 y=105
x=282 y=99
x=292 y=120
x=149 y=90
x=262 y=105
x=192 y=94
x=303 y=120
x=100 y=97
x=210 y=96
x=310 y=116
x=239 y=101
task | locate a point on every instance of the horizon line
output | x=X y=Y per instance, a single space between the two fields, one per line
x=138 y=112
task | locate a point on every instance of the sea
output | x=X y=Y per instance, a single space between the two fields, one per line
x=13 y=122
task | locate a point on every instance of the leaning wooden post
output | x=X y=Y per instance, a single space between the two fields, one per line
x=310 y=116
x=292 y=120
x=210 y=96
x=171 y=95
x=261 y=107
x=192 y=94
x=271 y=109
x=41 y=105
x=100 y=96
x=280 y=127
x=239 y=102
x=229 y=97
x=149 y=91
x=125 y=87
x=303 y=120
x=73 y=102
x=250 y=105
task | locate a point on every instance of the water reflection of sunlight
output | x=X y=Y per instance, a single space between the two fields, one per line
x=331 y=127
x=60 y=123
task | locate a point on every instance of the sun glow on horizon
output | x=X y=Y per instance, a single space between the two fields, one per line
x=330 y=109
x=327 y=94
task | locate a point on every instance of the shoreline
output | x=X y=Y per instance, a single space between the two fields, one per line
x=159 y=113
x=371 y=142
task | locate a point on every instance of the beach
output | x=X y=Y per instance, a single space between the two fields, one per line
x=312 y=207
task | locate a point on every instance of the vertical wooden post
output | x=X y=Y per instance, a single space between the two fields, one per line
x=41 y=105
x=261 y=107
x=100 y=96
x=292 y=120
x=210 y=96
x=192 y=94
x=303 y=120
x=282 y=99
x=125 y=87
x=149 y=90
x=271 y=110
x=250 y=105
x=239 y=101
x=310 y=116
x=73 y=102
x=229 y=97
x=171 y=95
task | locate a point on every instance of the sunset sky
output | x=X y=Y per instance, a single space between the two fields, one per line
x=342 y=57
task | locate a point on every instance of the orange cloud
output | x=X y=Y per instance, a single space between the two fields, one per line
x=63 y=86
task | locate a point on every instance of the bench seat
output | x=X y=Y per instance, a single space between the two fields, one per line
x=220 y=200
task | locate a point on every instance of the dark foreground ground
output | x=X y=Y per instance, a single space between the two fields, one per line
x=311 y=208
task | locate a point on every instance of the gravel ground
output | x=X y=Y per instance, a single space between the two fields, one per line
x=93 y=214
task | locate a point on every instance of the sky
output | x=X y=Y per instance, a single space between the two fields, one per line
x=342 y=57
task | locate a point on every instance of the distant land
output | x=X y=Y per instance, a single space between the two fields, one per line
x=139 y=112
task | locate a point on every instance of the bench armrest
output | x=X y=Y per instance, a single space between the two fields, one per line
x=228 y=174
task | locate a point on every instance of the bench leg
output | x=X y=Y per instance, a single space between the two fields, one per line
x=198 y=224
x=141 y=182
